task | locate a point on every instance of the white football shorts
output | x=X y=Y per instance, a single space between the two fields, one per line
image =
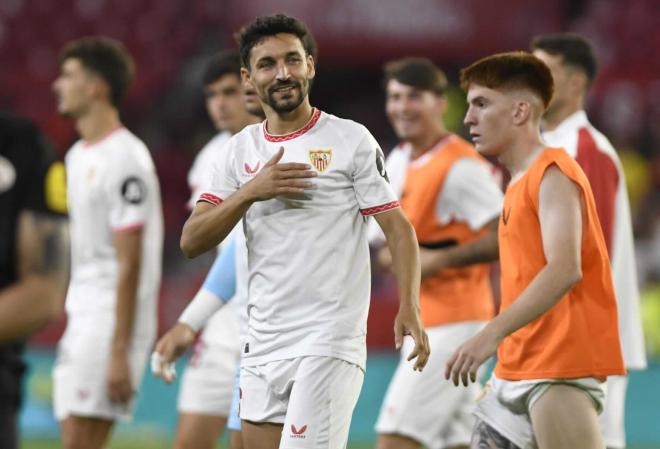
x=80 y=371
x=424 y=406
x=505 y=404
x=312 y=396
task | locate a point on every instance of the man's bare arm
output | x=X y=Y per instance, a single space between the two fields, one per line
x=402 y=243
x=37 y=297
x=480 y=250
x=560 y=217
x=208 y=225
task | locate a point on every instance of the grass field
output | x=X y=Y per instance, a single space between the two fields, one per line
x=154 y=444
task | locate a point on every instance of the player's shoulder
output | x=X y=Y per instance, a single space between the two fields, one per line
x=250 y=135
x=346 y=127
x=124 y=149
x=602 y=142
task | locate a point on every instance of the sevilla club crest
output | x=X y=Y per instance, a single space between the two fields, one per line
x=320 y=159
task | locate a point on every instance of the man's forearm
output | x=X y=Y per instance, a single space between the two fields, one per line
x=125 y=307
x=402 y=243
x=204 y=231
x=545 y=290
x=480 y=250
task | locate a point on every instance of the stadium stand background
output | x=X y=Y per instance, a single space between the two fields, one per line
x=170 y=39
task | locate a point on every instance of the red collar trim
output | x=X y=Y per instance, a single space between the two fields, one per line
x=281 y=138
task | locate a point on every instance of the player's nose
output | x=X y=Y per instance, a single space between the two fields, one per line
x=282 y=71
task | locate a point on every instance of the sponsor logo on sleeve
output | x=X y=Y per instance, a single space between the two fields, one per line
x=380 y=164
x=133 y=190
x=320 y=159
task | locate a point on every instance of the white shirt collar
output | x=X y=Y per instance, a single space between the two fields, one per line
x=573 y=122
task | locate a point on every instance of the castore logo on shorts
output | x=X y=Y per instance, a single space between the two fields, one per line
x=298 y=433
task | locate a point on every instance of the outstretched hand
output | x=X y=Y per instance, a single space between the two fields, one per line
x=407 y=322
x=462 y=366
x=169 y=348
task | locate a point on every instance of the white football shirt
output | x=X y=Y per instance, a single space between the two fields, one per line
x=308 y=257
x=112 y=187
x=470 y=193
x=201 y=169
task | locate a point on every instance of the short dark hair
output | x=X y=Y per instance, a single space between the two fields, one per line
x=573 y=48
x=420 y=73
x=517 y=69
x=107 y=58
x=266 y=26
x=226 y=62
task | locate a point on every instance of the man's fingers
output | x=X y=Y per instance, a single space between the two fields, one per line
x=296 y=166
x=450 y=364
x=276 y=157
x=398 y=335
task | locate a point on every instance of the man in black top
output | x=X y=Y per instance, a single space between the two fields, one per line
x=34 y=253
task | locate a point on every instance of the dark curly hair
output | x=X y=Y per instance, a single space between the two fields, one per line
x=265 y=26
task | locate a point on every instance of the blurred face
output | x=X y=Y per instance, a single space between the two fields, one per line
x=252 y=103
x=74 y=88
x=225 y=103
x=489 y=119
x=280 y=72
x=412 y=112
x=563 y=76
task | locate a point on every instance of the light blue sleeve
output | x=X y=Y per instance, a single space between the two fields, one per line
x=221 y=278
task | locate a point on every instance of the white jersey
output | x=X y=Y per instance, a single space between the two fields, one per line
x=470 y=193
x=601 y=163
x=199 y=176
x=308 y=258
x=113 y=187
x=199 y=173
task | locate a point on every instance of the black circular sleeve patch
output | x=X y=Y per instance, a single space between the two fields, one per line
x=133 y=190
x=380 y=164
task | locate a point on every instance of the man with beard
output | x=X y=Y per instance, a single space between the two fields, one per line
x=116 y=238
x=573 y=65
x=226 y=279
x=305 y=351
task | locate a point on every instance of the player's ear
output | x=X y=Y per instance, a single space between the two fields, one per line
x=245 y=75
x=311 y=67
x=521 y=112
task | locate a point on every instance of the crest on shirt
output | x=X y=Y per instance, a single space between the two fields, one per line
x=320 y=159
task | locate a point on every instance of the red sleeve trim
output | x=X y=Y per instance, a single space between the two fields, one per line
x=379 y=209
x=210 y=198
x=128 y=227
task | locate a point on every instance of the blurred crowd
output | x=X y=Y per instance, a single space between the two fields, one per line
x=170 y=40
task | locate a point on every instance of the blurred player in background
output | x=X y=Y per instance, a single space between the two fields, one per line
x=304 y=355
x=117 y=236
x=208 y=383
x=573 y=65
x=34 y=257
x=450 y=196
x=556 y=336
